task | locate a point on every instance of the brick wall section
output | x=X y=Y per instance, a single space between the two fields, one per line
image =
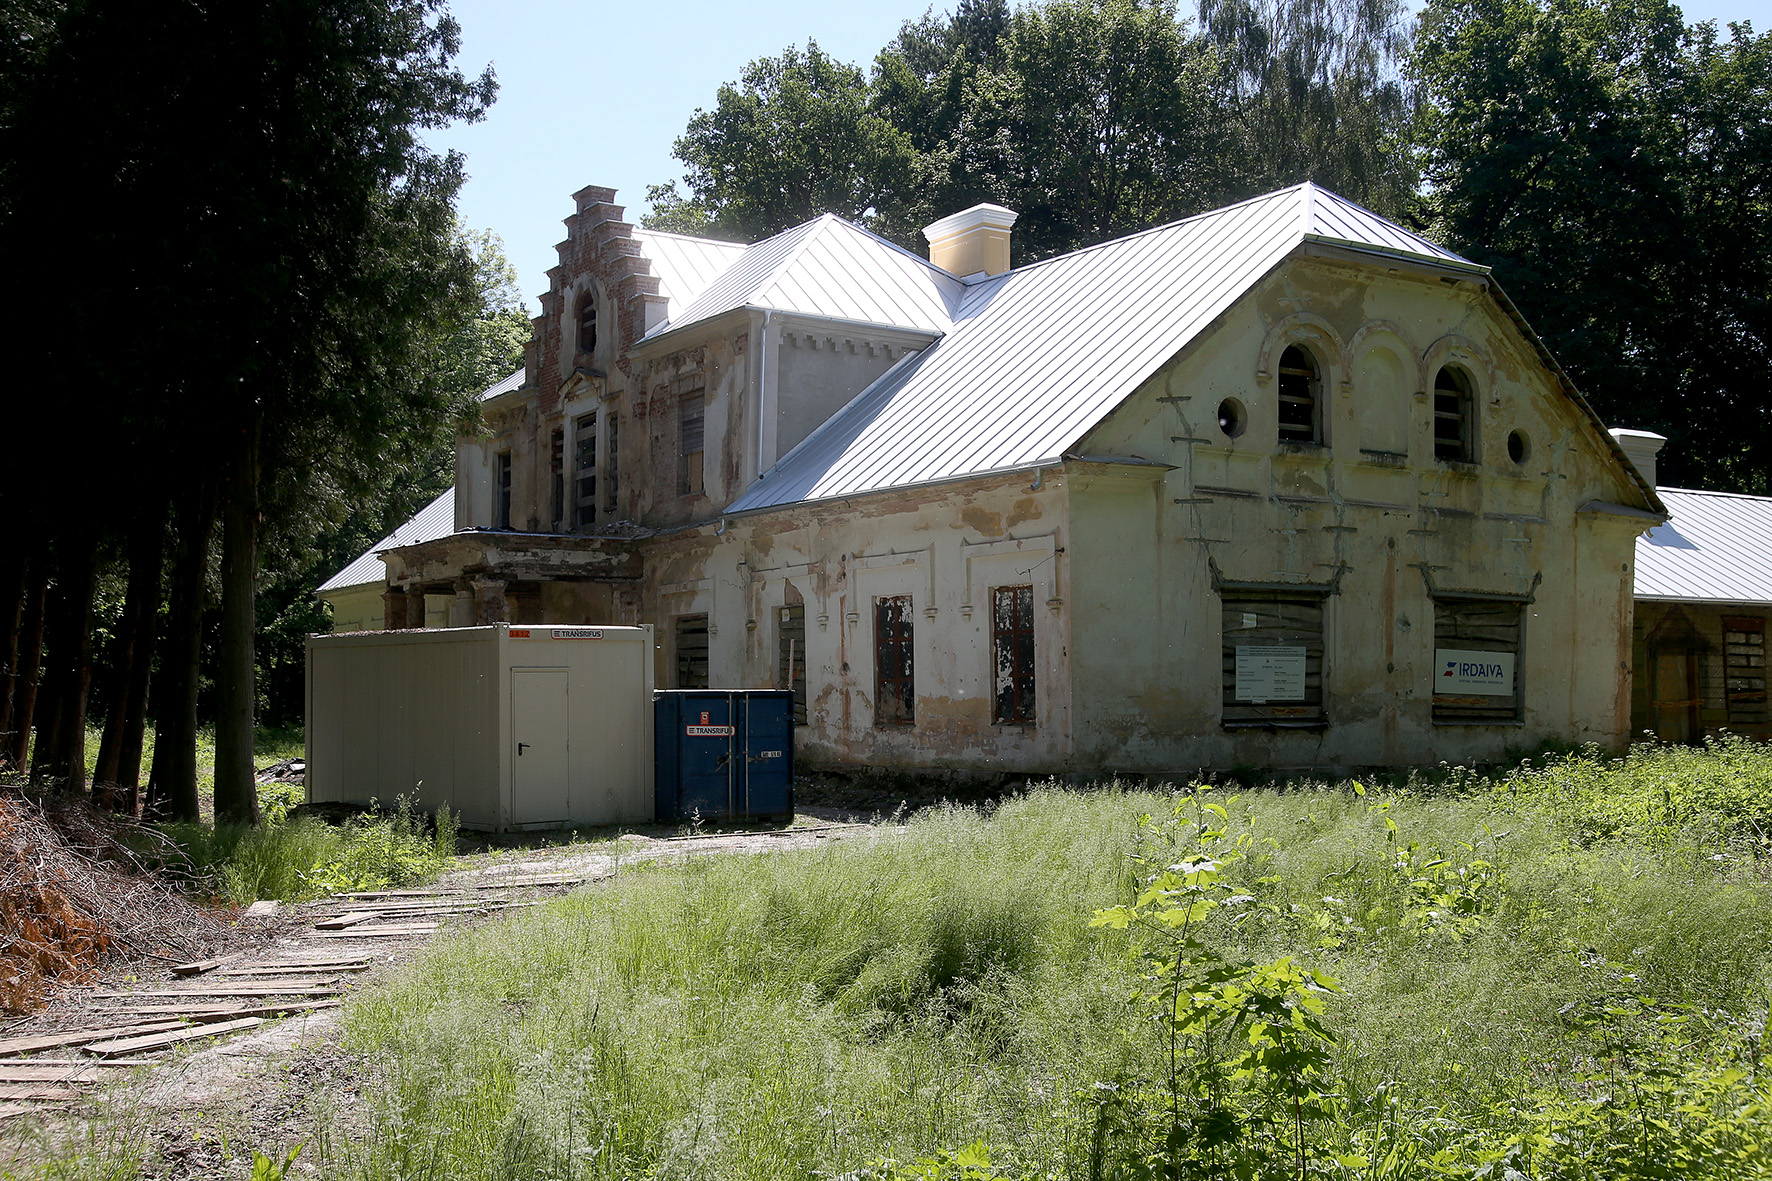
x=599 y=244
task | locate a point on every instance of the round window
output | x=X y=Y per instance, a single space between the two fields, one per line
x=1518 y=446
x=1232 y=418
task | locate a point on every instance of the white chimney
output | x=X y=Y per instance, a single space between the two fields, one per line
x=1641 y=447
x=972 y=240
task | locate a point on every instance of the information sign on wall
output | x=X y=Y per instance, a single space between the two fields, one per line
x=1458 y=672
x=1269 y=672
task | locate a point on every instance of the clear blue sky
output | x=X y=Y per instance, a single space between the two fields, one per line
x=596 y=93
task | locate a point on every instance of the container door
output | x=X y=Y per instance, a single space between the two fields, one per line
x=709 y=771
x=768 y=754
x=538 y=746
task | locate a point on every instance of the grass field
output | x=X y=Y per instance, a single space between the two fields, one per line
x=1558 y=972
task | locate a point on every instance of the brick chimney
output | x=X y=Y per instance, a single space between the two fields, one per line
x=1641 y=447
x=972 y=240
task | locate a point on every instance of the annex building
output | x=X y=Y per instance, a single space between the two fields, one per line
x=1282 y=485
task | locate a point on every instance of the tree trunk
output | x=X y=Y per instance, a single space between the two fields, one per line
x=61 y=745
x=172 y=782
x=30 y=664
x=132 y=654
x=236 y=793
x=15 y=588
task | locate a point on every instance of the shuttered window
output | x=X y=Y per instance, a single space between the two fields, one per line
x=690 y=414
x=790 y=660
x=557 y=473
x=1012 y=647
x=611 y=483
x=690 y=638
x=1476 y=661
x=1454 y=417
x=1301 y=411
x=895 y=697
x=1272 y=659
x=587 y=323
x=501 y=492
x=1744 y=645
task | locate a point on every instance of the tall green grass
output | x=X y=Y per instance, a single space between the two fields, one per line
x=802 y=1014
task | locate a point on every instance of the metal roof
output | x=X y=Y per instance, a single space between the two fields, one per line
x=833 y=269
x=434 y=520
x=513 y=382
x=1717 y=548
x=685 y=266
x=1037 y=356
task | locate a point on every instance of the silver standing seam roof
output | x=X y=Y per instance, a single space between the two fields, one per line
x=1717 y=548
x=1037 y=356
x=685 y=266
x=434 y=520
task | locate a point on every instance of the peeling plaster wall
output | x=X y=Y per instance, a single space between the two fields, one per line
x=945 y=548
x=1370 y=511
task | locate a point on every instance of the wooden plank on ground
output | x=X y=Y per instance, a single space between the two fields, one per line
x=348 y=919
x=73 y=1037
x=37 y=1093
x=219 y=1009
x=198 y=967
x=33 y=1072
x=366 y=932
x=397 y=894
x=282 y=988
x=302 y=969
x=155 y=1041
x=559 y=880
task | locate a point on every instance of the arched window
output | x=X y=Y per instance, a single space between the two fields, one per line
x=1454 y=416
x=587 y=322
x=1301 y=411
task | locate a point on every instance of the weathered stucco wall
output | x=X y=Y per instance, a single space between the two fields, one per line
x=1369 y=516
x=945 y=549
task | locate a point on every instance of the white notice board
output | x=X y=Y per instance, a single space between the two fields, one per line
x=1458 y=671
x=1269 y=672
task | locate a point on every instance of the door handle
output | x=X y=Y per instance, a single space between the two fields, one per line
x=520 y=747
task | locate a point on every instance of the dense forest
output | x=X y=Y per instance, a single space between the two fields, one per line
x=245 y=325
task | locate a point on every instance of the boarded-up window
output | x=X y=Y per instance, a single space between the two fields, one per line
x=1454 y=417
x=557 y=472
x=690 y=639
x=611 y=483
x=1744 y=639
x=1012 y=648
x=1476 y=661
x=1273 y=659
x=895 y=697
x=584 y=471
x=587 y=323
x=1301 y=412
x=690 y=413
x=501 y=490
x=790 y=660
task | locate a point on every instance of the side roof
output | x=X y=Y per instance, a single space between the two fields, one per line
x=828 y=268
x=1037 y=356
x=686 y=266
x=1717 y=548
x=434 y=520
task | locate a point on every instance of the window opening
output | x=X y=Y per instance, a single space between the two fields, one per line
x=690 y=636
x=1012 y=644
x=790 y=660
x=557 y=470
x=690 y=413
x=1519 y=447
x=584 y=465
x=1452 y=416
x=610 y=485
x=587 y=323
x=895 y=695
x=501 y=480
x=1232 y=418
x=1272 y=660
x=1744 y=645
x=1476 y=661
x=1300 y=406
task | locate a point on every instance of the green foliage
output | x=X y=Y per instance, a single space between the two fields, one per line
x=295 y=859
x=1613 y=164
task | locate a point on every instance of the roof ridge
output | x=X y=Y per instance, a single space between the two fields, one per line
x=691 y=238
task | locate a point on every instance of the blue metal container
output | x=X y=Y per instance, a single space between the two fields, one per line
x=724 y=754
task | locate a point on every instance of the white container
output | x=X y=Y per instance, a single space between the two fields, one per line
x=512 y=727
